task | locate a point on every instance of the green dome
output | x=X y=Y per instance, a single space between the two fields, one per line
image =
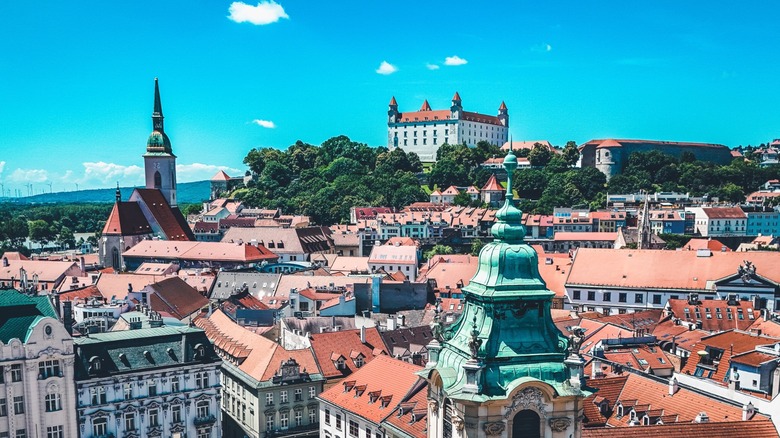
x=158 y=142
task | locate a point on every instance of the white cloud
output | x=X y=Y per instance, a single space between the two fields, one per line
x=266 y=12
x=432 y=66
x=200 y=171
x=264 y=123
x=454 y=60
x=100 y=174
x=28 y=175
x=541 y=48
x=385 y=68
x=2 y=166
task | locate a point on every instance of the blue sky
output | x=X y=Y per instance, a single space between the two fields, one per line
x=76 y=78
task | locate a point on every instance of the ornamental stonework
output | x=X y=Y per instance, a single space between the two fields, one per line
x=494 y=428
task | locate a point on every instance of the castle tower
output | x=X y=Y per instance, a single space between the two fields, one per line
x=159 y=161
x=503 y=114
x=504 y=369
x=457 y=106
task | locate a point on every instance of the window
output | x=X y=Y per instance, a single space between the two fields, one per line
x=152 y=388
x=2 y=375
x=269 y=399
x=656 y=298
x=19 y=405
x=204 y=433
x=359 y=361
x=298 y=418
x=98 y=395
x=298 y=395
x=327 y=416
x=100 y=426
x=607 y=296
x=284 y=420
x=202 y=380
x=338 y=421
x=48 y=368
x=21 y=433
x=176 y=413
x=283 y=396
x=368 y=432
x=54 y=432
x=52 y=402
x=3 y=408
x=16 y=373
x=312 y=416
x=269 y=422
x=576 y=295
x=622 y=297
x=354 y=430
x=203 y=408
x=128 y=389
x=591 y=295
x=154 y=417
x=130 y=421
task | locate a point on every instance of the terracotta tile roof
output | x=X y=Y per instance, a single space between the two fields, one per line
x=715 y=315
x=456 y=97
x=608 y=215
x=349 y=264
x=83 y=293
x=450 y=271
x=254 y=354
x=502 y=106
x=170 y=219
x=728 y=344
x=402 y=241
x=410 y=415
x=709 y=243
x=451 y=190
x=529 y=144
x=682 y=336
x=480 y=118
x=643 y=321
x=406 y=255
x=766 y=327
x=585 y=236
x=14 y=255
x=753 y=358
x=375 y=390
x=392 y=101
x=724 y=213
x=200 y=251
x=425 y=116
x=220 y=176
x=554 y=269
x=174 y=297
x=342 y=343
x=608 y=392
x=47 y=271
x=492 y=185
x=683 y=270
x=654 y=143
x=425 y=106
x=280 y=240
x=732 y=429
x=126 y=219
x=370 y=212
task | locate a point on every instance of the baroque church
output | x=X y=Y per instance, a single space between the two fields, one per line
x=151 y=212
x=504 y=369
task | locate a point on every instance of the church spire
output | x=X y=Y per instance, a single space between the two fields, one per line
x=157 y=113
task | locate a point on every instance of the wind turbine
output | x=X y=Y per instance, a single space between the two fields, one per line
x=50 y=191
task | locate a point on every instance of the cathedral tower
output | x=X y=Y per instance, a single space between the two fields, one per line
x=159 y=161
x=504 y=369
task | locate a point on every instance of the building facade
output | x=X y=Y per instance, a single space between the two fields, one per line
x=423 y=131
x=37 y=395
x=148 y=382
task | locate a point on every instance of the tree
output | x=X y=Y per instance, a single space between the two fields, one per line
x=462 y=199
x=40 y=231
x=438 y=250
x=540 y=155
x=343 y=166
x=447 y=172
x=529 y=183
x=571 y=154
x=476 y=247
x=191 y=209
x=66 y=238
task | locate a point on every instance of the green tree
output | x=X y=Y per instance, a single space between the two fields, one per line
x=571 y=154
x=447 y=172
x=66 y=238
x=530 y=183
x=462 y=199
x=476 y=247
x=540 y=155
x=40 y=231
x=438 y=250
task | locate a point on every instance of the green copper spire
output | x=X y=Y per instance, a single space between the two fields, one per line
x=506 y=335
x=158 y=142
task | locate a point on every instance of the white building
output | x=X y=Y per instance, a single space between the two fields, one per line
x=148 y=382
x=391 y=259
x=37 y=396
x=423 y=131
x=719 y=221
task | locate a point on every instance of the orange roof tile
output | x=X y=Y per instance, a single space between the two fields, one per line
x=715 y=315
x=126 y=219
x=724 y=212
x=708 y=243
x=423 y=116
x=456 y=97
x=392 y=101
x=220 y=176
x=732 y=429
x=502 y=106
x=585 y=236
x=425 y=106
x=492 y=185
x=169 y=218
x=342 y=343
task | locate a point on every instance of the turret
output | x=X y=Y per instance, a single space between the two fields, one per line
x=503 y=114
x=457 y=108
x=392 y=112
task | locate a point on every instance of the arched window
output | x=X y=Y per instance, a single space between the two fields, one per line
x=447 y=419
x=157 y=180
x=202 y=408
x=526 y=424
x=115 y=258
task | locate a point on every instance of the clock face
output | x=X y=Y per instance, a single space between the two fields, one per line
x=157 y=165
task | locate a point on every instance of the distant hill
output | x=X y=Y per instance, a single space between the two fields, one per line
x=188 y=193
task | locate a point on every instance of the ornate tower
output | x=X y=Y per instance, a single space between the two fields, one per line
x=503 y=114
x=159 y=161
x=457 y=106
x=502 y=369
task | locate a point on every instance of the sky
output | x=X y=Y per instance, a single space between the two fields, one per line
x=77 y=78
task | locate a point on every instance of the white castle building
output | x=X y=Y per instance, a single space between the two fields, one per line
x=423 y=131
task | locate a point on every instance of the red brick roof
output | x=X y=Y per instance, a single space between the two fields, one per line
x=608 y=392
x=753 y=358
x=173 y=296
x=375 y=390
x=170 y=218
x=425 y=106
x=503 y=106
x=343 y=343
x=709 y=243
x=730 y=343
x=724 y=213
x=715 y=315
x=220 y=176
x=621 y=142
x=456 y=97
x=492 y=185
x=423 y=116
x=585 y=236
x=126 y=219
x=732 y=429
x=392 y=101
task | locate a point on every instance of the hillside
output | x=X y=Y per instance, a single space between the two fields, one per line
x=188 y=193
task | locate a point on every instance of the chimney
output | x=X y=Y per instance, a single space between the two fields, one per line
x=673 y=386
x=82 y=265
x=595 y=368
x=5 y=262
x=129 y=288
x=748 y=411
x=67 y=316
x=363 y=334
x=701 y=418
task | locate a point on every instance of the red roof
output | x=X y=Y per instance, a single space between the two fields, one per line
x=715 y=315
x=753 y=358
x=169 y=218
x=730 y=343
x=425 y=106
x=221 y=176
x=620 y=142
x=373 y=391
x=492 y=185
x=126 y=219
x=456 y=97
x=724 y=213
x=731 y=429
x=585 y=236
x=370 y=212
x=393 y=102
x=342 y=343
x=173 y=296
x=503 y=106
x=608 y=392
x=422 y=116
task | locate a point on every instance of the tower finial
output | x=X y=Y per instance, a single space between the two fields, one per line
x=118 y=193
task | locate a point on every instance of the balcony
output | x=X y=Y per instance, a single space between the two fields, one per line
x=205 y=420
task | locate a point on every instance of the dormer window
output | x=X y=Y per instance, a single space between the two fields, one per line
x=94 y=365
x=620 y=411
x=348 y=385
x=373 y=396
x=645 y=421
x=340 y=365
x=359 y=361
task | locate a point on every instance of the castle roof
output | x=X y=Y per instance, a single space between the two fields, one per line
x=221 y=176
x=503 y=106
x=612 y=142
x=393 y=102
x=456 y=97
x=425 y=106
x=492 y=185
